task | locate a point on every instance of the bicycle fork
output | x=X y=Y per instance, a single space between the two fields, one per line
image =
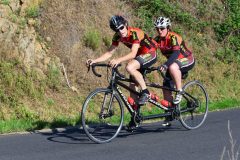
x=109 y=111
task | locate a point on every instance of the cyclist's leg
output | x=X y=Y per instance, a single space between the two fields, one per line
x=167 y=95
x=132 y=68
x=176 y=74
x=134 y=86
x=141 y=62
x=176 y=69
x=144 y=62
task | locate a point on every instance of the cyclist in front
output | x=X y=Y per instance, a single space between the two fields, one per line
x=179 y=60
x=142 y=54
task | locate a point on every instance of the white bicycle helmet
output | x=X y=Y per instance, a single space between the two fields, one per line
x=162 y=22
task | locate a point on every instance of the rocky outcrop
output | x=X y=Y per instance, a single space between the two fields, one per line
x=18 y=38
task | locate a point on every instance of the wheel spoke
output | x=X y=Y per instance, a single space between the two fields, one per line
x=102 y=116
x=194 y=105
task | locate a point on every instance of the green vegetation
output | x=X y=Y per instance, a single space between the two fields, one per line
x=16 y=83
x=53 y=77
x=32 y=11
x=20 y=125
x=149 y=10
x=5 y=2
x=16 y=18
x=92 y=39
x=228 y=32
x=225 y=104
x=107 y=41
x=20 y=89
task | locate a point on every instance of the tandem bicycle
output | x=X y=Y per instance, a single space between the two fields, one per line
x=103 y=112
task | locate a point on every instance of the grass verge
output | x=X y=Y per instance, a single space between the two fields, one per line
x=20 y=125
x=224 y=104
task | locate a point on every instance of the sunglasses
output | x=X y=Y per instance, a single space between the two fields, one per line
x=120 y=28
x=160 y=29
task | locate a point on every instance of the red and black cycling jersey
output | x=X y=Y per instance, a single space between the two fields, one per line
x=136 y=36
x=173 y=47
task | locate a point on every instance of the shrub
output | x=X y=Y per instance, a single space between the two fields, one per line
x=107 y=41
x=16 y=83
x=53 y=75
x=167 y=9
x=228 y=32
x=5 y=2
x=32 y=11
x=23 y=112
x=92 y=39
x=50 y=102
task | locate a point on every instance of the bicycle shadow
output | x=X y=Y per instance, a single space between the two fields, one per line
x=152 y=128
x=76 y=135
x=73 y=135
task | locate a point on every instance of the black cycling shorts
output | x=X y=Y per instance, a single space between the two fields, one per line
x=185 y=65
x=146 y=60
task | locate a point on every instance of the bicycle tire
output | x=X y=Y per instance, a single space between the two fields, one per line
x=102 y=115
x=193 y=107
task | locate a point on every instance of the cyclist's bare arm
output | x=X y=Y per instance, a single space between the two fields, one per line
x=127 y=57
x=103 y=57
x=130 y=55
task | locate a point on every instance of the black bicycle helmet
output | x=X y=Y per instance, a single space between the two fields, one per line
x=116 y=22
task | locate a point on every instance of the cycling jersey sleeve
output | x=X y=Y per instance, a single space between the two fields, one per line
x=135 y=38
x=175 y=51
x=172 y=58
x=174 y=43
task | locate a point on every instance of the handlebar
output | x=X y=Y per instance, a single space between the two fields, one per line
x=106 y=65
x=98 y=65
x=147 y=70
x=151 y=69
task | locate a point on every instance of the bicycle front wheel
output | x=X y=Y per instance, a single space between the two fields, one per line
x=194 y=105
x=102 y=115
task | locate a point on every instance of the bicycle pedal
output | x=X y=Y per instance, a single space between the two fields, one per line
x=166 y=124
x=130 y=128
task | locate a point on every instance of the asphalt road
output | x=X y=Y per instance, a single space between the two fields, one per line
x=149 y=142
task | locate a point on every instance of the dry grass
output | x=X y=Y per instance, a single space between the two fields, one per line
x=233 y=152
x=66 y=22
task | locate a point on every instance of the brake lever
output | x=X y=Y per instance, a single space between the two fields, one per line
x=88 y=68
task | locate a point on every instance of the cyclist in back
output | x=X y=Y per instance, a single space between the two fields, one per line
x=179 y=59
x=142 y=54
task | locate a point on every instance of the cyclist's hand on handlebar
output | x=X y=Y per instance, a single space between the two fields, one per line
x=89 y=62
x=114 y=63
x=163 y=68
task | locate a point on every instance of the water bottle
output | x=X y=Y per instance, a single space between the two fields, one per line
x=132 y=103
x=166 y=103
x=154 y=97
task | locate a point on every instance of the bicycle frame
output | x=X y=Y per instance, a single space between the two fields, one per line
x=116 y=82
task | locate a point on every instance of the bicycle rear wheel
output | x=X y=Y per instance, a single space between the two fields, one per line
x=102 y=115
x=194 y=105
